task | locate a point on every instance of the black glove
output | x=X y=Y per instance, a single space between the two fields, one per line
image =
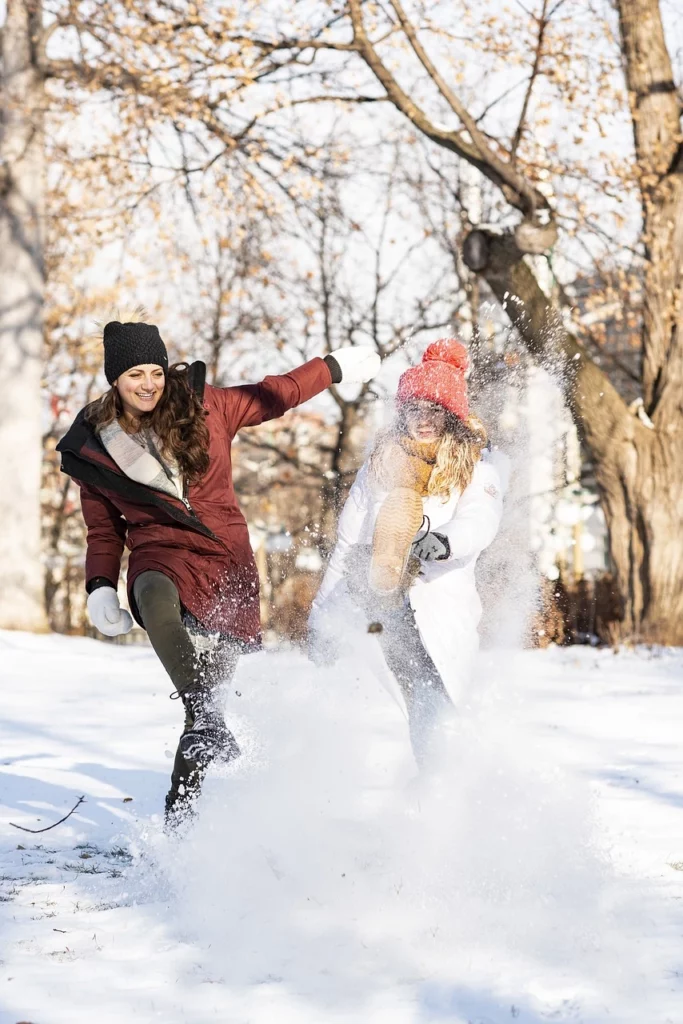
x=433 y=547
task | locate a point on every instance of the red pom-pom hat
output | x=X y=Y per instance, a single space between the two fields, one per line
x=439 y=378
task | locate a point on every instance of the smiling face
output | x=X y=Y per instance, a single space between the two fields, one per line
x=140 y=389
x=424 y=421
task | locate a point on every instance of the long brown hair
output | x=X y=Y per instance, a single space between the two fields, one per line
x=457 y=455
x=178 y=420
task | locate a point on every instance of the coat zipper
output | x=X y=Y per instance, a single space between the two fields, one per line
x=186 y=501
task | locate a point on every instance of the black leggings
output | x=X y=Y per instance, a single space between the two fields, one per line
x=425 y=695
x=188 y=666
x=198 y=664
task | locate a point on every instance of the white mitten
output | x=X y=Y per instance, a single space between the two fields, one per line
x=433 y=547
x=106 y=614
x=357 y=363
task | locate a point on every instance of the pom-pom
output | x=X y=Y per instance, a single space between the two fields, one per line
x=447 y=350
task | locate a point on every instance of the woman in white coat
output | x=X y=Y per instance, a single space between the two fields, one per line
x=423 y=507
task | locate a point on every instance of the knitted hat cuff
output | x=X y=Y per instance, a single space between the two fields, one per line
x=131 y=344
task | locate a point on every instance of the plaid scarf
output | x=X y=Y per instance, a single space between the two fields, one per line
x=138 y=456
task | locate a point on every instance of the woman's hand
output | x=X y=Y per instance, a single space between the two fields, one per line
x=106 y=614
x=433 y=547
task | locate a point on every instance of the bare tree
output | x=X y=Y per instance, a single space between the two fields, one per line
x=636 y=447
x=638 y=458
x=178 y=82
x=175 y=92
x=348 y=287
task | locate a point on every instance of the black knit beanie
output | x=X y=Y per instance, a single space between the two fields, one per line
x=128 y=345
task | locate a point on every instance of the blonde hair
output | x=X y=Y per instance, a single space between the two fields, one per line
x=456 y=457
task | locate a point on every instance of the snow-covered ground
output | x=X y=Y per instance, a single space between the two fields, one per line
x=537 y=875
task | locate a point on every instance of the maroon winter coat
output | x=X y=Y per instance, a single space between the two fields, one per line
x=205 y=549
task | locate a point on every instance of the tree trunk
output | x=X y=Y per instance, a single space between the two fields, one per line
x=21 y=329
x=653 y=469
x=333 y=492
x=641 y=487
x=656 y=117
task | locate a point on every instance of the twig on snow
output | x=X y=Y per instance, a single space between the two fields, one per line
x=35 y=831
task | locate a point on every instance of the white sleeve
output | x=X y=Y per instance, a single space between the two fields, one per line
x=477 y=515
x=349 y=529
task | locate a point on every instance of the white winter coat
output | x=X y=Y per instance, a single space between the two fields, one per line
x=444 y=598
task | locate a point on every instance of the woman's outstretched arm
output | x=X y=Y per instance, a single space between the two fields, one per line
x=247 y=405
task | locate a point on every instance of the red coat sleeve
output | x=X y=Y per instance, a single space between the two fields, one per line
x=106 y=535
x=249 y=404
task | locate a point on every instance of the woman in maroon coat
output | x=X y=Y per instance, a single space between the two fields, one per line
x=152 y=458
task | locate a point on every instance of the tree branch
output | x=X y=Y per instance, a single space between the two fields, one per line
x=44 y=37
x=530 y=200
x=515 y=188
x=105 y=76
x=268 y=46
x=596 y=405
x=37 y=831
x=542 y=25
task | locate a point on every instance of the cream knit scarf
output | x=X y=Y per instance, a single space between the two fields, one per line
x=138 y=456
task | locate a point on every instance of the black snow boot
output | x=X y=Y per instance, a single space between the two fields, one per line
x=207 y=738
x=180 y=799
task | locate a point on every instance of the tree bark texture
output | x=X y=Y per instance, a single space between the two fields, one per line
x=21 y=328
x=643 y=481
x=656 y=116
